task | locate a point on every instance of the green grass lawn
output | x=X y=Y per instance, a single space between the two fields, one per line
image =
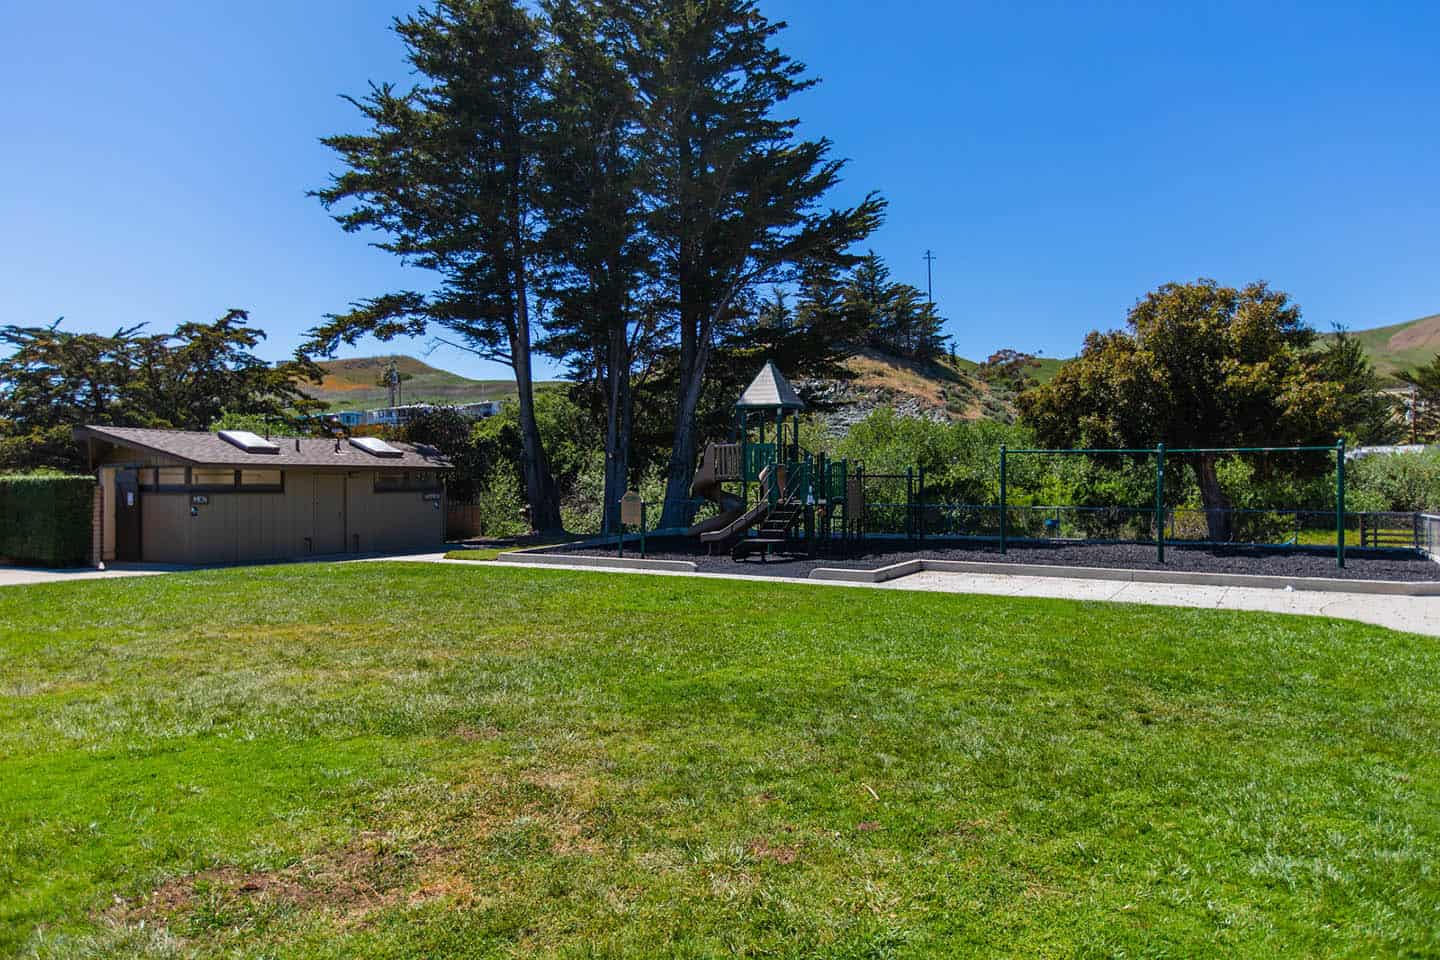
x=402 y=760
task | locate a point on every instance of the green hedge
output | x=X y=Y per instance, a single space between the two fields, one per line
x=46 y=519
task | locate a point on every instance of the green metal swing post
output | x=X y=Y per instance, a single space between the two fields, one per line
x=1340 y=503
x=1160 y=502
x=1002 y=498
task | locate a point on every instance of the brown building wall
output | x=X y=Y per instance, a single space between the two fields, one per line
x=317 y=513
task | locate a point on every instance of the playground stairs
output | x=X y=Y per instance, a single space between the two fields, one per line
x=772 y=531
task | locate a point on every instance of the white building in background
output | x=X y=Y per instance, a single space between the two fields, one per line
x=1359 y=453
x=396 y=416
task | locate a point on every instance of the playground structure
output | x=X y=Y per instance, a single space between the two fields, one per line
x=800 y=499
x=790 y=500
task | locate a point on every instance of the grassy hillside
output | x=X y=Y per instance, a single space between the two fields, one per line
x=1402 y=346
x=355 y=384
x=958 y=387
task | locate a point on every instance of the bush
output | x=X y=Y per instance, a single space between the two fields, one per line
x=1399 y=481
x=45 y=519
x=502 y=506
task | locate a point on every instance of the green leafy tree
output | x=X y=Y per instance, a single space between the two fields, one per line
x=1424 y=401
x=448 y=174
x=1199 y=365
x=54 y=380
x=736 y=195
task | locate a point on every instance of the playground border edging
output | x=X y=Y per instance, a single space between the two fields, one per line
x=1181 y=577
x=879 y=575
x=625 y=563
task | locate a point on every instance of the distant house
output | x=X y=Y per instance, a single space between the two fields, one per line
x=169 y=496
x=399 y=416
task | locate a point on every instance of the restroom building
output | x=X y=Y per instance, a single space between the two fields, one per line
x=172 y=496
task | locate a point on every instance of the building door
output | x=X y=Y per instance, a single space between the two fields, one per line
x=127 y=516
x=329 y=513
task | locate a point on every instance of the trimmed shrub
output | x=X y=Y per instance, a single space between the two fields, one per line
x=46 y=519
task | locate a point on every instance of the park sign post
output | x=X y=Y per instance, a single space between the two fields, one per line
x=632 y=513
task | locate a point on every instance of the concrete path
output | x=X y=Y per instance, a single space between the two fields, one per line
x=1411 y=614
x=11 y=576
x=20 y=576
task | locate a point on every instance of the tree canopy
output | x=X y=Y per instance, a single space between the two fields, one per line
x=1203 y=365
x=1424 y=410
x=55 y=380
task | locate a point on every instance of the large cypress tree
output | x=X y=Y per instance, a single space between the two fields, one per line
x=601 y=277
x=737 y=195
x=449 y=173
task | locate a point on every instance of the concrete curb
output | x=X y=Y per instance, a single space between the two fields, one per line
x=880 y=575
x=1394 y=588
x=626 y=563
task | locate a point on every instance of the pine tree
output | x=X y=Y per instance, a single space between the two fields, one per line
x=737 y=196
x=1425 y=401
x=601 y=278
x=448 y=174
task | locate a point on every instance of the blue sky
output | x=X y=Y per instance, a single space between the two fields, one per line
x=1060 y=159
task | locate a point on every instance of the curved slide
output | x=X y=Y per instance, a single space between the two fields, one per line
x=706 y=485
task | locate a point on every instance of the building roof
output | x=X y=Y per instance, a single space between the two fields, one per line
x=210 y=449
x=770 y=390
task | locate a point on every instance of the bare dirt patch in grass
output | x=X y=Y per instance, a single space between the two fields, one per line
x=368 y=874
x=762 y=849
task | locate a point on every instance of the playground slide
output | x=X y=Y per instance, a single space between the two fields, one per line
x=706 y=485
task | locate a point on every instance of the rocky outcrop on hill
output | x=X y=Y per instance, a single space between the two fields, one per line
x=840 y=404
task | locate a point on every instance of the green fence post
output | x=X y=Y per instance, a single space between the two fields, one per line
x=920 y=506
x=1340 y=503
x=1002 y=498
x=1160 y=501
x=910 y=504
x=642 y=529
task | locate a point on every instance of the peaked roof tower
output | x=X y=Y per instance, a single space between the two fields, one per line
x=769 y=391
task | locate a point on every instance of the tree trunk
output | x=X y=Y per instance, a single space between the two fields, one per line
x=1219 y=520
x=678 y=510
x=619 y=420
x=541 y=491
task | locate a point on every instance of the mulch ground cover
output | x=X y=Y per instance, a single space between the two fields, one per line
x=1359 y=564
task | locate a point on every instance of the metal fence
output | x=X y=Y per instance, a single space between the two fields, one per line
x=1429 y=532
x=1182 y=525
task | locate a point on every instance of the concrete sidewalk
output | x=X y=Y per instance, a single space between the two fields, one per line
x=1411 y=614
x=21 y=576
x=13 y=576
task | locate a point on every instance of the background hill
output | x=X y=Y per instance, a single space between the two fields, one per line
x=957 y=390
x=1402 y=346
x=354 y=384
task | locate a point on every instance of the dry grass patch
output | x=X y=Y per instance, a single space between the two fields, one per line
x=369 y=874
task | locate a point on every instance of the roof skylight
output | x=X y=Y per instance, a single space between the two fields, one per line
x=249 y=442
x=375 y=447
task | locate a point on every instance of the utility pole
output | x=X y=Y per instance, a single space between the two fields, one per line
x=929 y=279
